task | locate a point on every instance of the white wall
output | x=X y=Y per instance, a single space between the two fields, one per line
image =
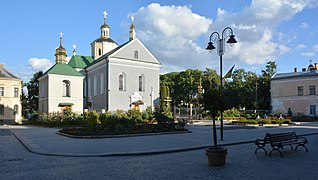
x=55 y=92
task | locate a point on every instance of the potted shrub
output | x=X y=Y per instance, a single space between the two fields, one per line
x=216 y=154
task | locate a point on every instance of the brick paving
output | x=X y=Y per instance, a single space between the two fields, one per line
x=16 y=162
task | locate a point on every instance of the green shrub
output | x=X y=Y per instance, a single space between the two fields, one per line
x=150 y=113
x=104 y=119
x=91 y=118
x=135 y=115
x=232 y=113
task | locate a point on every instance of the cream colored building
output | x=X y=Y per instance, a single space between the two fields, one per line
x=296 y=91
x=10 y=93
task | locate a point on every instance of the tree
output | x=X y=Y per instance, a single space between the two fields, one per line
x=264 y=85
x=31 y=100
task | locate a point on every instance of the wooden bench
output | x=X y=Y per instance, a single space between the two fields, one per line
x=279 y=140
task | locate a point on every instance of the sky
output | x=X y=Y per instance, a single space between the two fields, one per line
x=175 y=31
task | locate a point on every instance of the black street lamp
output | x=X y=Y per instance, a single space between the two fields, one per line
x=215 y=36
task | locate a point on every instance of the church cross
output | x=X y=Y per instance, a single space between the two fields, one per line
x=105 y=14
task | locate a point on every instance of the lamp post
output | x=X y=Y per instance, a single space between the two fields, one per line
x=215 y=36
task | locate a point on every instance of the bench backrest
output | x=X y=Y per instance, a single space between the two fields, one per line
x=279 y=137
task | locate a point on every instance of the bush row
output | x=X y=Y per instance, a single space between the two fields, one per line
x=281 y=121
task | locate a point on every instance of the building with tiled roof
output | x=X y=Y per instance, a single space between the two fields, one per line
x=114 y=76
x=10 y=92
x=295 y=92
x=61 y=87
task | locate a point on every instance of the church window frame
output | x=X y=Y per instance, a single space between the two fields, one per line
x=99 y=51
x=66 y=88
x=95 y=86
x=89 y=90
x=122 y=82
x=141 y=83
x=102 y=85
x=136 y=55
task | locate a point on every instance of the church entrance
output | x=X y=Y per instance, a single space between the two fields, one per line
x=65 y=106
x=136 y=101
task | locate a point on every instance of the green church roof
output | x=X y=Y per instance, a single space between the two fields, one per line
x=63 y=69
x=78 y=61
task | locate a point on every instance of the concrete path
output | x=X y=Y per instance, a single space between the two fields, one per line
x=45 y=141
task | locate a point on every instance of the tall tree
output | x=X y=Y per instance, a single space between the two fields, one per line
x=32 y=98
x=264 y=85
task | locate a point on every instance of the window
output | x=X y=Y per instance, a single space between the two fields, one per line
x=89 y=87
x=95 y=85
x=15 y=109
x=136 y=54
x=300 y=90
x=16 y=92
x=102 y=83
x=99 y=52
x=66 y=88
x=121 y=82
x=1 y=109
x=141 y=83
x=1 y=91
x=313 y=110
x=312 y=90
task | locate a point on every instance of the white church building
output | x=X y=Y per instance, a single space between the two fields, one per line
x=114 y=77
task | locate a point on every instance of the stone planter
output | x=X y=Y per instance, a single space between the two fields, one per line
x=216 y=155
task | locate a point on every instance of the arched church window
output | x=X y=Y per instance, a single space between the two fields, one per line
x=99 y=52
x=136 y=54
x=141 y=83
x=66 y=88
x=121 y=79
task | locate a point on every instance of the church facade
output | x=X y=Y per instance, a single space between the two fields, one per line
x=114 y=77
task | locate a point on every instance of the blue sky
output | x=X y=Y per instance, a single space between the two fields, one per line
x=175 y=31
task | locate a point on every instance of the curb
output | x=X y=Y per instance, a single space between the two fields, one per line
x=121 y=135
x=36 y=149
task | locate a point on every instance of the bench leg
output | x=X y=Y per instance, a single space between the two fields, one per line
x=291 y=147
x=281 y=154
x=261 y=148
x=302 y=146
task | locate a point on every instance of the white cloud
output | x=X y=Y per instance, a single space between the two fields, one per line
x=40 y=64
x=301 y=46
x=172 y=33
x=308 y=54
x=304 y=26
x=315 y=48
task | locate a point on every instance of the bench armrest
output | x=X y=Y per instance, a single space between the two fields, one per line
x=260 y=142
x=303 y=138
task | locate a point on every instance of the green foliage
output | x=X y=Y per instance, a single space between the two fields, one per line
x=232 y=113
x=149 y=113
x=263 y=121
x=91 y=118
x=31 y=100
x=104 y=119
x=135 y=115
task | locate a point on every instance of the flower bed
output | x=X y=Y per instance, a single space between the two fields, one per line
x=263 y=121
x=121 y=130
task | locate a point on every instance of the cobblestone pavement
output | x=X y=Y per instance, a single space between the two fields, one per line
x=18 y=163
